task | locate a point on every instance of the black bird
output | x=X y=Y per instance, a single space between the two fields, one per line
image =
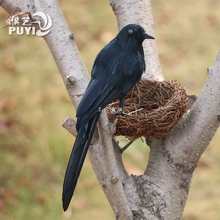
x=117 y=68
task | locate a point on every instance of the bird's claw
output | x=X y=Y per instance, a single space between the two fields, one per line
x=119 y=112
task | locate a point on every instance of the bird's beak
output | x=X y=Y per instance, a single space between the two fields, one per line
x=147 y=36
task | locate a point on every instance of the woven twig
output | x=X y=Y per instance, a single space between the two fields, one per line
x=152 y=109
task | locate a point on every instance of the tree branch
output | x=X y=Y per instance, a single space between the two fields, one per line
x=194 y=134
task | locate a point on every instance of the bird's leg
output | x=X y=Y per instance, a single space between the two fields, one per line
x=121 y=106
x=120 y=110
x=126 y=146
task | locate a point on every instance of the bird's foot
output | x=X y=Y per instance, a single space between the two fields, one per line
x=118 y=111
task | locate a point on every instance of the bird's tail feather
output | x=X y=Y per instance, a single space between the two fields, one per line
x=77 y=158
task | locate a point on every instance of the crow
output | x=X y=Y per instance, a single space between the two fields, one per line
x=117 y=68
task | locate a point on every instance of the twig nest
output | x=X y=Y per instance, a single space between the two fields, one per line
x=152 y=109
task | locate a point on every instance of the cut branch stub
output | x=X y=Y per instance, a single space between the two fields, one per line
x=71 y=36
x=70 y=125
x=71 y=80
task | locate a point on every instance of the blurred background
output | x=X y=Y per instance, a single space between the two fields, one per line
x=34 y=148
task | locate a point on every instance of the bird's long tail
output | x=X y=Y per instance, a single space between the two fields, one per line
x=77 y=158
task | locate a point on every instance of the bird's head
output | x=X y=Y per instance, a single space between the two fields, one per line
x=133 y=32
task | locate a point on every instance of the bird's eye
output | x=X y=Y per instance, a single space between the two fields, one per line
x=130 y=31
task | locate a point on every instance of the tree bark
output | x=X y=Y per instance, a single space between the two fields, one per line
x=161 y=192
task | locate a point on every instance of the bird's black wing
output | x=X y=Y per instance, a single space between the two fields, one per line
x=103 y=80
x=86 y=126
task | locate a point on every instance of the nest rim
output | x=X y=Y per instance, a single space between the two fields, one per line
x=152 y=109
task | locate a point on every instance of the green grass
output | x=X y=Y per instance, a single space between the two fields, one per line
x=34 y=148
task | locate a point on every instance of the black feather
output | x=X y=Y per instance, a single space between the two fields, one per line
x=76 y=159
x=117 y=68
